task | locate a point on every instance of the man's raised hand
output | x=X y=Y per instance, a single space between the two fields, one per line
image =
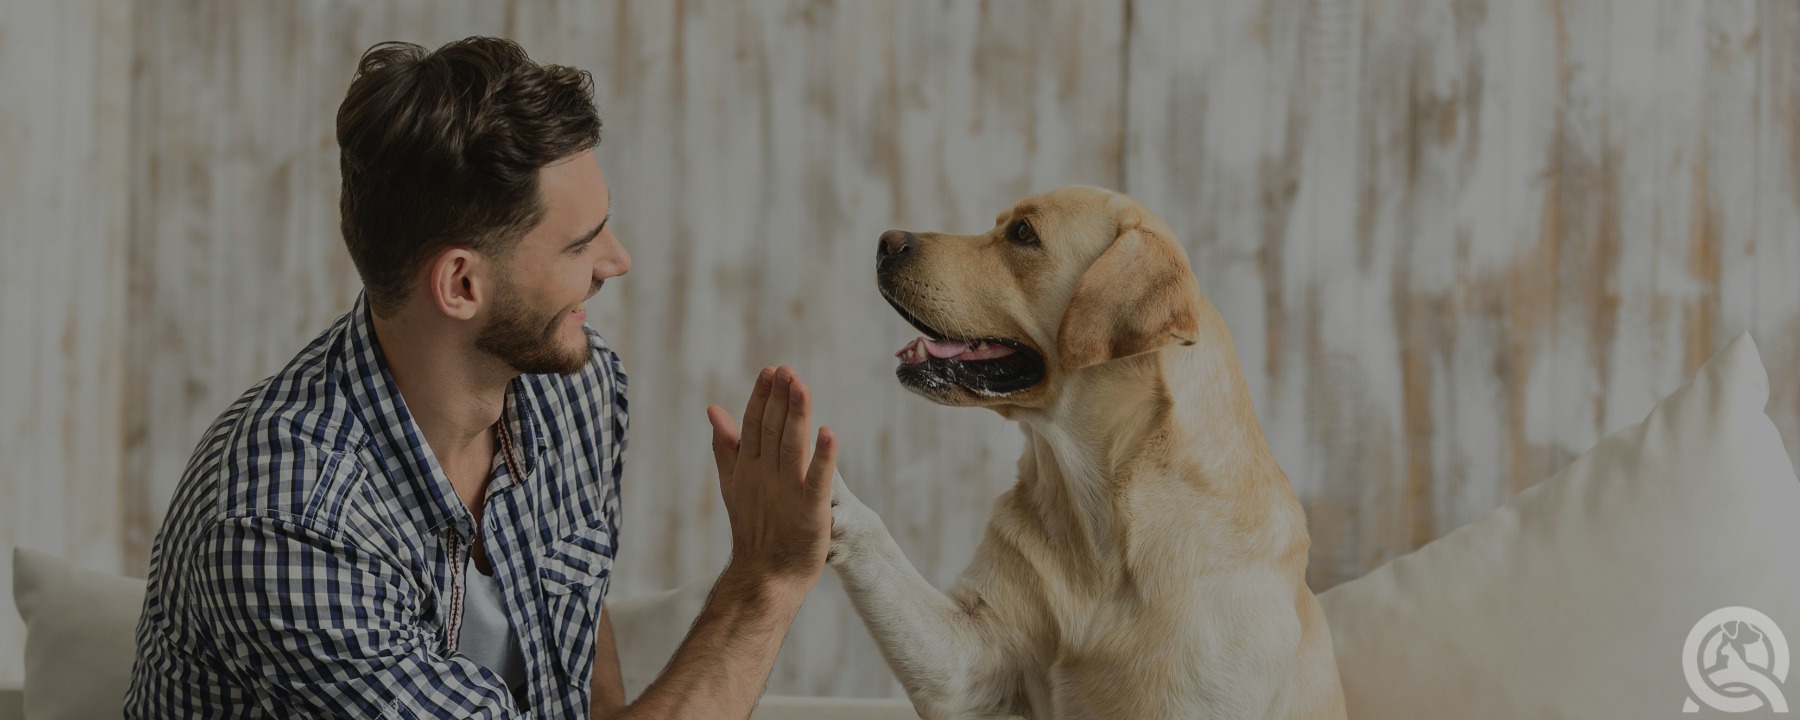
x=776 y=484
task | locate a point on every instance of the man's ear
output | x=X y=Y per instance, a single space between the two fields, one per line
x=1139 y=296
x=450 y=280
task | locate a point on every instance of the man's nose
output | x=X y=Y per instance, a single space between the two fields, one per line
x=613 y=264
x=893 y=242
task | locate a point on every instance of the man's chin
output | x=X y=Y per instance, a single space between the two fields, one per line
x=577 y=352
x=570 y=357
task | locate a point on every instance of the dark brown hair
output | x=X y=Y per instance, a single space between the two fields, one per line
x=443 y=148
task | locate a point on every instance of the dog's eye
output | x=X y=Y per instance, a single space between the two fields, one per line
x=1022 y=233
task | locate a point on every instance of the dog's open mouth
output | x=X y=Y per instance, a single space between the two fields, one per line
x=985 y=366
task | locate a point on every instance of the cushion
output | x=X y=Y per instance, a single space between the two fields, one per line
x=12 y=704
x=649 y=627
x=1584 y=596
x=778 y=707
x=80 y=634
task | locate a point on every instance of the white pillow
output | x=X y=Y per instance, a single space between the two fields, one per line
x=80 y=635
x=649 y=628
x=787 y=707
x=1578 y=597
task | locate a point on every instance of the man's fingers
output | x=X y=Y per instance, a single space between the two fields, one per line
x=774 y=416
x=724 y=442
x=796 y=426
x=824 y=465
x=753 y=412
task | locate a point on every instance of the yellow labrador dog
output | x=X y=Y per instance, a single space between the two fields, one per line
x=1151 y=560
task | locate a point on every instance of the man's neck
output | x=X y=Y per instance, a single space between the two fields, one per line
x=455 y=394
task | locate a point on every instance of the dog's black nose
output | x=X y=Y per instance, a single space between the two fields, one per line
x=893 y=242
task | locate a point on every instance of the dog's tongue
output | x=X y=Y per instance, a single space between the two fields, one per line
x=945 y=348
x=920 y=350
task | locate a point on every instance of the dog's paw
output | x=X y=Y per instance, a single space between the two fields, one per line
x=850 y=521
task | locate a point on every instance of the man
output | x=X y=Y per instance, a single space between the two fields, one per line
x=417 y=517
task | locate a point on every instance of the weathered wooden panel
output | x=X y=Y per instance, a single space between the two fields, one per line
x=64 y=71
x=1776 y=308
x=1457 y=241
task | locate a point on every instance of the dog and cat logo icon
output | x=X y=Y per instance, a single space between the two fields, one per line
x=1736 y=660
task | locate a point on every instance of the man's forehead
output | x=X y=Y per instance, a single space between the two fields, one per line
x=574 y=175
x=575 y=193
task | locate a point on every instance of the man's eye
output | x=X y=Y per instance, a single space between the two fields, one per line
x=1022 y=233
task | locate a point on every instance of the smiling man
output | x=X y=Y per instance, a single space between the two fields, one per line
x=417 y=516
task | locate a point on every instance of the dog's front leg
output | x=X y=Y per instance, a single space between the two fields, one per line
x=940 y=650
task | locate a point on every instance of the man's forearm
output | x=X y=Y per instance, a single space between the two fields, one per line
x=720 y=670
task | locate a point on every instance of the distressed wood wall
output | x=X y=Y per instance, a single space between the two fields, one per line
x=65 y=87
x=1456 y=241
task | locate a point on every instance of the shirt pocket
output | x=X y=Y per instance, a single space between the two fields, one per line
x=574 y=574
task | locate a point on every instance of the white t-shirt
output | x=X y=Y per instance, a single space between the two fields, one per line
x=486 y=636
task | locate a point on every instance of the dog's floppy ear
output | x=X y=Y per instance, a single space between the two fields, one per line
x=1139 y=296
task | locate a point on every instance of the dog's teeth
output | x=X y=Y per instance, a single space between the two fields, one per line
x=979 y=346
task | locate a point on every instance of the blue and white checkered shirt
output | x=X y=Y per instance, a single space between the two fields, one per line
x=311 y=562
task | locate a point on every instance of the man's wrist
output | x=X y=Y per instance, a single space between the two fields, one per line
x=723 y=665
x=748 y=583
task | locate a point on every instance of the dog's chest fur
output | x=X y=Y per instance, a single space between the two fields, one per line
x=1151 y=593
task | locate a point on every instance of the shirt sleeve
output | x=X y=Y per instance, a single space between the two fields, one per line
x=315 y=626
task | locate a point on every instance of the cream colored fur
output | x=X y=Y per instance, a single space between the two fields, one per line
x=1151 y=560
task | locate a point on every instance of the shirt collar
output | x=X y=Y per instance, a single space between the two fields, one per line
x=398 y=444
x=524 y=422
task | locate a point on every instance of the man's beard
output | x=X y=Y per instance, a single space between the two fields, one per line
x=527 y=342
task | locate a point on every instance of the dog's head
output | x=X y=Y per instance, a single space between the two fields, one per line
x=1065 y=280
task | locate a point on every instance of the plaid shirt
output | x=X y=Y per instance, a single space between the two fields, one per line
x=311 y=562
